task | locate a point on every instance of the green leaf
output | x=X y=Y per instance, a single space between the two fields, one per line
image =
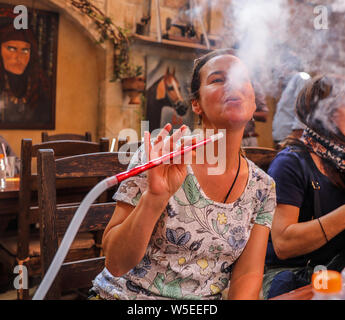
x=191 y=190
x=136 y=199
x=202 y=203
x=215 y=226
x=181 y=203
x=173 y=289
x=159 y=282
x=224 y=281
x=226 y=228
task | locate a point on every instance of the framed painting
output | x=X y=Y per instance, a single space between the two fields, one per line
x=28 y=69
x=167 y=92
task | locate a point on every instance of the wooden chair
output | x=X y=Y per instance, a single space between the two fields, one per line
x=65 y=136
x=262 y=157
x=131 y=146
x=24 y=248
x=55 y=220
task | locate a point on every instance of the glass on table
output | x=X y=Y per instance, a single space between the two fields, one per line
x=10 y=167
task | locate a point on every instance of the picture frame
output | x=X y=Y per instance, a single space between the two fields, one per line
x=28 y=63
x=167 y=92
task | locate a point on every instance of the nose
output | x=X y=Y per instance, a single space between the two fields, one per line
x=17 y=57
x=233 y=84
x=181 y=108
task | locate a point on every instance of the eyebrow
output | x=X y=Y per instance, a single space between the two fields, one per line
x=215 y=73
x=18 y=48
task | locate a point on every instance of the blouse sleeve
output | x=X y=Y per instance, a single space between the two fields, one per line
x=267 y=199
x=132 y=188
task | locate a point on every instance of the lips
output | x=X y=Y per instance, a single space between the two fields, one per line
x=233 y=101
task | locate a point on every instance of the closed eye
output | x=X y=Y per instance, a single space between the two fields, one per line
x=217 y=80
x=216 y=77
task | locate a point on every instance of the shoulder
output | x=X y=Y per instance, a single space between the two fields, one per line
x=290 y=164
x=290 y=156
x=258 y=176
x=262 y=190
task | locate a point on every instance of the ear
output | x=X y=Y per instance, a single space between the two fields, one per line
x=160 y=91
x=168 y=71
x=173 y=72
x=196 y=107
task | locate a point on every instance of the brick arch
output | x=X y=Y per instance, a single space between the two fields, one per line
x=82 y=21
x=87 y=28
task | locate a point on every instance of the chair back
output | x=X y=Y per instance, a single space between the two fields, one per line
x=125 y=146
x=262 y=157
x=28 y=204
x=55 y=219
x=65 y=136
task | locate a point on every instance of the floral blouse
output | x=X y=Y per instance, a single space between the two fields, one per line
x=195 y=241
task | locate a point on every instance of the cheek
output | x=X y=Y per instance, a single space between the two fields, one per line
x=5 y=55
x=26 y=59
x=250 y=100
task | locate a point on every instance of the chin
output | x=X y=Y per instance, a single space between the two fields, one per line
x=237 y=118
x=16 y=71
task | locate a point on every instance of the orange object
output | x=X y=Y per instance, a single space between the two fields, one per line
x=327 y=281
x=1 y=156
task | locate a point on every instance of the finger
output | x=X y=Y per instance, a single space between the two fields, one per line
x=170 y=145
x=158 y=143
x=164 y=132
x=188 y=155
x=147 y=144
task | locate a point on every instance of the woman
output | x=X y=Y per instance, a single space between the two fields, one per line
x=179 y=233
x=309 y=223
x=24 y=91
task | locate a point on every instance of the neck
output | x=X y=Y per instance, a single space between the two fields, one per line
x=231 y=143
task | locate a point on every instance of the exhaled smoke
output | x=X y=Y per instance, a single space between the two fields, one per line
x=276 y=38
x=260 y=28
x=330 y=112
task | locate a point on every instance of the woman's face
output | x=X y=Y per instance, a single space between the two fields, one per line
x=15 y=55
x=226 y=95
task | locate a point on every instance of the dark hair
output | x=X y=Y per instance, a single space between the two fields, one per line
x=309 y=99
x=33 y=73
x=198 y=64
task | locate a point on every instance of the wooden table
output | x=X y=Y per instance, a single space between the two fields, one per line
x=9 y=204
x=304 y=293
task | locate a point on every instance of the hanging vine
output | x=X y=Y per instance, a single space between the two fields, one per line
x=119 y=37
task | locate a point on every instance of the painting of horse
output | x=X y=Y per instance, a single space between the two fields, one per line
x=167 y=100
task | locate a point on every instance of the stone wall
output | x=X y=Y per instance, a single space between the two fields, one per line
x=86 y=100
x=80 y=75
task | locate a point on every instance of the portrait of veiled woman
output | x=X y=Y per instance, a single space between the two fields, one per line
x=27 y=70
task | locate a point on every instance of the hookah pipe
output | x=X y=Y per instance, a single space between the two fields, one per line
x=90 y=198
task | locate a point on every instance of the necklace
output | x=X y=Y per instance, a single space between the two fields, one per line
x=11 y=97
x=233 y=183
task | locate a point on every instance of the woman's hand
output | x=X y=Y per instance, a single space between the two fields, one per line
x=165 y=179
